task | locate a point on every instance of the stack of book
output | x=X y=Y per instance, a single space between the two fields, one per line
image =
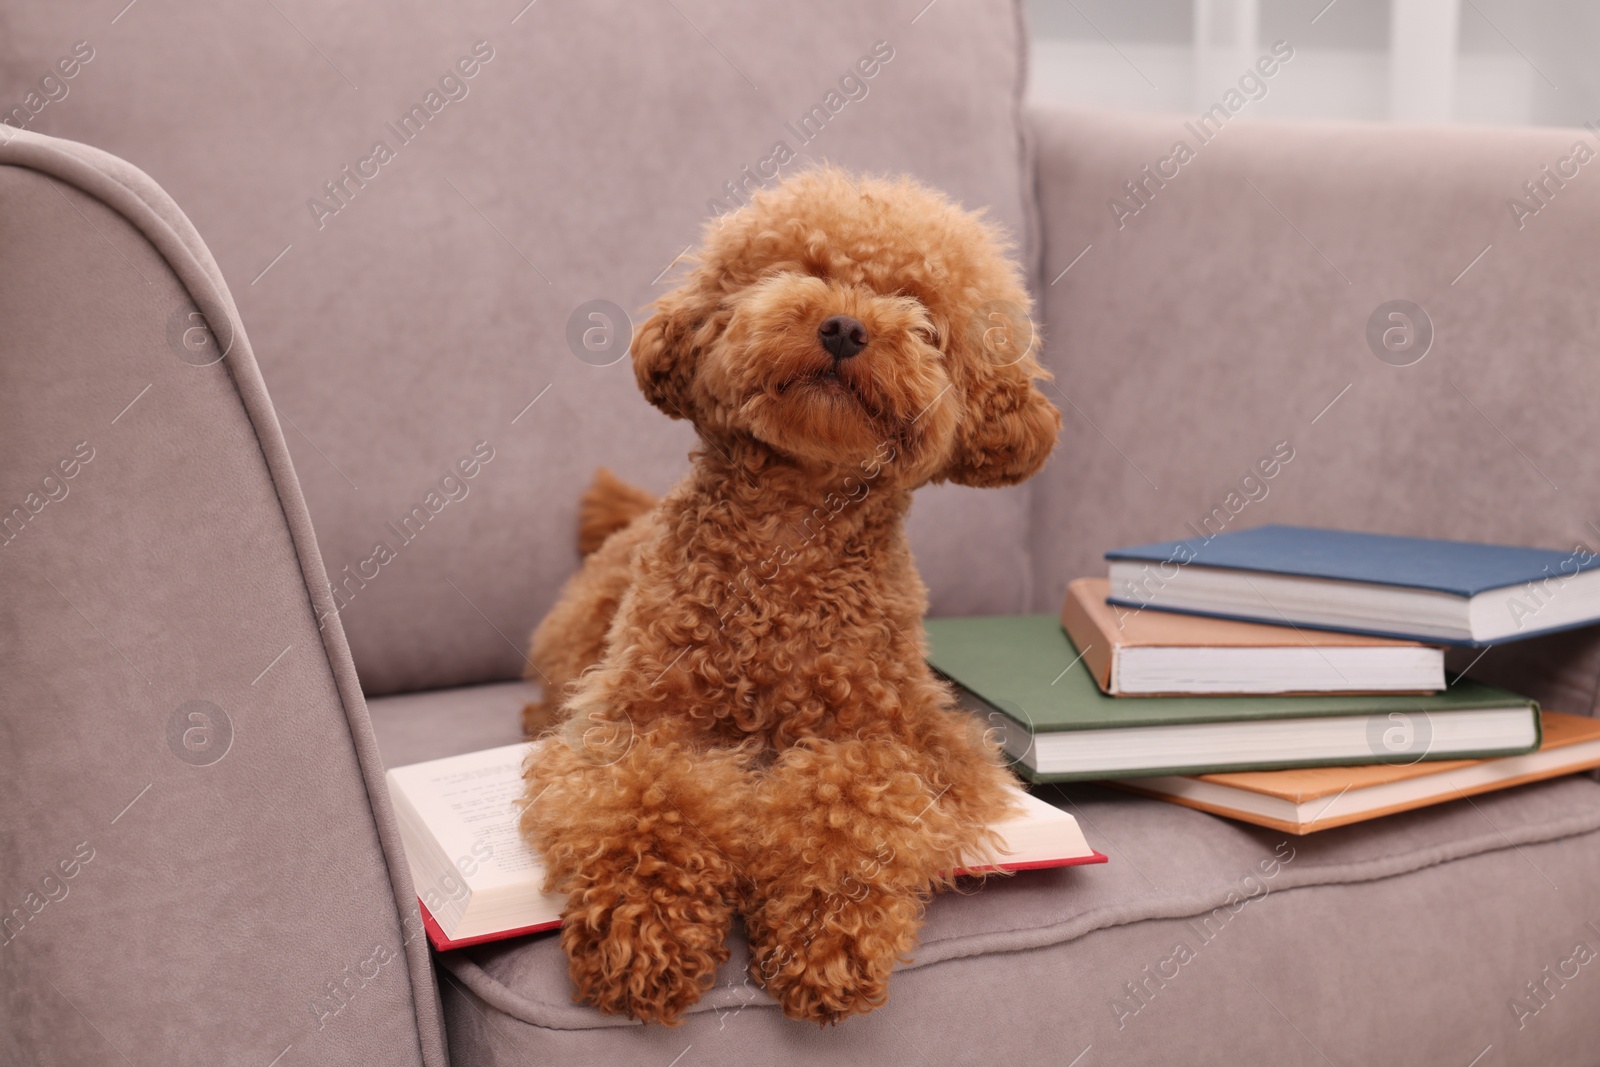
x=1288 y=677
x=1285 y=676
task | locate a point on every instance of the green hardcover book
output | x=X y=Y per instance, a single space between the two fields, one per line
x=1023 y=673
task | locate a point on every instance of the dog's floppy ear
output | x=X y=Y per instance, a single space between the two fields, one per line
x=1007 y=427
x=664 y=353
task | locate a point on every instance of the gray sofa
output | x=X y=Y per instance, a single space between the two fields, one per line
x=205 y=663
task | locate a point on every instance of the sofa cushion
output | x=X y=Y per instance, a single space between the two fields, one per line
x=421 y=309
x=1227 y=319
x=412 y=727
x=1229 y=943
x=1425 y=925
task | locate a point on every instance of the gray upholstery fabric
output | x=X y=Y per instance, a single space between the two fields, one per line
x=427 y=313
x=412 y=727
x=196 y=846
x=1400 y=942
x=1231 y=311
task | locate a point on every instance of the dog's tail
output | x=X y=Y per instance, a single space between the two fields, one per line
x=607 y=506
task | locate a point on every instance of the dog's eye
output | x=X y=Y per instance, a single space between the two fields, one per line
x=929 y=335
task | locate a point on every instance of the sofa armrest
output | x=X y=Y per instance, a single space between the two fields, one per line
x=1215 y=299
x=199 y=863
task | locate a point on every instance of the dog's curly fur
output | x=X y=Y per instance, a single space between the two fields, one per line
x=741 y=719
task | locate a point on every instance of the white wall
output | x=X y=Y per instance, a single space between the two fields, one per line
x=1505 y=62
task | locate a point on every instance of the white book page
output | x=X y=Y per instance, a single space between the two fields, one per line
x=1041 y=832
x=469 y=805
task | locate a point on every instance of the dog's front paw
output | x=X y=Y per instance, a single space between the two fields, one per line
x=645 y=945
x=831 y=957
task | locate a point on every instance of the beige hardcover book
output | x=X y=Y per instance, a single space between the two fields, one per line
x=1319 y=798
x=1159 y=653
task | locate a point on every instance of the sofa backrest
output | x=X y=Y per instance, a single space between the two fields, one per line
x=416 y=203
x=1233 y=310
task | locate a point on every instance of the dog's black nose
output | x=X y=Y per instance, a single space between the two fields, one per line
x=842 y=336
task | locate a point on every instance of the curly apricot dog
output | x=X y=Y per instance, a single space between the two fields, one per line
x=743 y=721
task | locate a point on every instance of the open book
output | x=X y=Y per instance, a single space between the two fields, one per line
x=478 y=880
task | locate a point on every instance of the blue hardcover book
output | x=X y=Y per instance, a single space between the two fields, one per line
x=1448 y=592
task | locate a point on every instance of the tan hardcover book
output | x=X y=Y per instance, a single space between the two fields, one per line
x=1318 y=798
x=1158 y=653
